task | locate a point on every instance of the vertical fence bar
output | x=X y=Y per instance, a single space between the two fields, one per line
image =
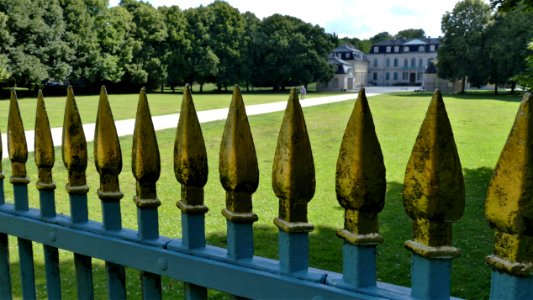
x=508 y=210
x=74 y=152
x=433 y=197
x=18 y=154
x=108 y=161
x=293 y=182
x=190 y=168
x=361 y=186
x=5 y=277
x=146 y=167
x=44 y=160
x=239 y=175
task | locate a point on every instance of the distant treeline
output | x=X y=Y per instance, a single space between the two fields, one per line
x=86 y=43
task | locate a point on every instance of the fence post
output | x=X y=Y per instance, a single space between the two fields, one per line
x=239 y=175
x=108 y=161
x=146 y=167
x=18 y=154
x=44 y=160
x=293 y=182
x=190 y=168
x=508 y=210
x=361 y=187
x=74 y=152
x=433 y=197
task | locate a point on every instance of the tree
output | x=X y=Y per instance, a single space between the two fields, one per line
x=39 y=51
x=380 y=37
x=506 y=44
x=461 y=53
x=407 y=34
x=6 y=40
x=176 y=46
x=249 y=56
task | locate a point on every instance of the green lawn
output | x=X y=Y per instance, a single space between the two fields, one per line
x=480 y=123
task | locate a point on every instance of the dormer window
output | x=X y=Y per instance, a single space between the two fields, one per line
x=406 y=49
x=396 y=48
x=432 y=48
x=388 y=49
x=376 y=49
x=421 y=48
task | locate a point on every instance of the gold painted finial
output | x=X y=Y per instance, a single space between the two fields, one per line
x=145 y=159
x=107 y=152
x=44 y=146
x=239 y=173
x=190 y=158
x=16 y=141
x=74 y=149
x=293 y=170
x=360 y=180
x=509 y=206
x=433 y=191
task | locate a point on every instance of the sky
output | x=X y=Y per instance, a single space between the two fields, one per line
x=347 y=18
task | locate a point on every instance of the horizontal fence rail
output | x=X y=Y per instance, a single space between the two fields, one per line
x=433 y=195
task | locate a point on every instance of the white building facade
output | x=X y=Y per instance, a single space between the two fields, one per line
x=351 y=70
x=401 y=62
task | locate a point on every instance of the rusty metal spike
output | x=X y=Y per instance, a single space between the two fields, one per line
x=239 y=172
x=293 y=171
x=16 y=141
x=360 y=180
x=433 y=192
x=509 y=206
x=44 y=145
x=107 y=152
x=74 y=147
x=145 y=159
x=190 y=157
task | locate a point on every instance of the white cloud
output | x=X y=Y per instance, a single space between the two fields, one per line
x=354 y=18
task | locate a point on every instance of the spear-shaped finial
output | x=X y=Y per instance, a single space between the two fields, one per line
x=293 y=170
x=360 y=180
x=239 y=173
x=433 y=193
x=190 y=158
x=44 y=146
x=16 y=141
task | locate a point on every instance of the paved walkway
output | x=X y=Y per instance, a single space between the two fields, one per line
x=126 y=127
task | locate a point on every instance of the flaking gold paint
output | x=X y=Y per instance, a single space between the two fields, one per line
x=190 y=156
x=360 y=178
x=16 y=141
x=74 y=146
x=433 y=190
x=145 y=159
x=509 y=204
x=107 y=151
x=293 y=170
x=239 y=172
x=43 y=145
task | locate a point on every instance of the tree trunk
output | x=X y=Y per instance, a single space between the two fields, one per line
x=162 y=87
x=513 y=86
x=463 y=84
x=495 y=89
x=201 y=88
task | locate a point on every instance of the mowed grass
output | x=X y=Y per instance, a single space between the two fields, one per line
x=481 y=124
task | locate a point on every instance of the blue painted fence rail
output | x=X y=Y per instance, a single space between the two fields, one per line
x=234 y=270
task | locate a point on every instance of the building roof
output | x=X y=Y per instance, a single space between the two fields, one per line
x=347 y=48
x=333 y=59
x=421 y=41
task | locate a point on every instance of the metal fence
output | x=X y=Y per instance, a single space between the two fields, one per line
x=433 y=199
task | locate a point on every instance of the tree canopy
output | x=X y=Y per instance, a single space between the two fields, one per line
x=87 y=43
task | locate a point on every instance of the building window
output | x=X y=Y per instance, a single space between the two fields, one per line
x=405 y=63
x=420 y=63
x=413 y=62
x=376 y=49
x=388 y=49
x=406 y=49
x=335 y=83
x=375 y=76
x=387 y=76
x=419 y=76
x=388 y=62
x=396 y=48
x=395 y=76
x=395 y=62
x=432 y=48
x=421 y=48
x=347 y=55
x=375 y=62
x=405 y=76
